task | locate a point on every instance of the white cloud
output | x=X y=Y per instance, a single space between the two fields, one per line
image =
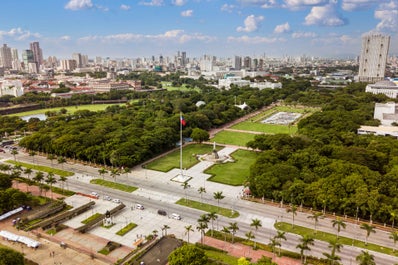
x=19 y=34
x=387 y=13
x=324 y=16
x=78 y=4
x=299 y=35
x=282 y=28
x=179 y=2
x=153 y=3
x=251 y=24
x=255 y=40
x=125 y=7
x=300 y=4
x=187 y=13
x=66 y=37
x=228 y=8
x=351 y=5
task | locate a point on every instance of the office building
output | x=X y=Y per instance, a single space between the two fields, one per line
x=37 y=53
x=27 y=57
x=373 y=58
x=238 y=63
x=5 y=57
x=78 y=58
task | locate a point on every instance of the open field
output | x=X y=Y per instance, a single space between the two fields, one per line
x=172 y=160
x=235 y=173
x=234 y=138
x=208 y=208
x=183 y=87
x=264 y=128
x=70 y=109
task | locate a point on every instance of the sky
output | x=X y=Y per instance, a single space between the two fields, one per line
x=222 y=28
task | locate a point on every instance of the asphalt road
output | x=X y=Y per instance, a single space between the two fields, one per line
x=157 y=191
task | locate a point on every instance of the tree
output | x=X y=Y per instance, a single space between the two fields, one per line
x=340 y=224
x=369 y=229
x=226 y=231
x=165 y=228
x=315 y=216
x=14 y=152
x=256 y=223
x=185 y=186
x=50 y=180
x=51 y=157
x=188 y=254
x=102 y=171
x=201 y=190
x=201 y=227
x=212 y=217
x=218 y=196
x=293 y=210
x=332 y=257
x=114 y=173
x=394 y=237
x=63 y=180
x=61 y=160
x=305 y=242
x=188 y=229
x=365 y=258
x=280 y=235
x=393 y=215
x=199 y=135
x=243 y=261
x=32 y=154
x=9 y=256
x=249 y=235
x=233 y=227
x=38 y=178
x=274 y=242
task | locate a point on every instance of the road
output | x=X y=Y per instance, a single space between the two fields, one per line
x=157 y=190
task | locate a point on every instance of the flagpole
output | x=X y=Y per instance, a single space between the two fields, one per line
x=181 y=144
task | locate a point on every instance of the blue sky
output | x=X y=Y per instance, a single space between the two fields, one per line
x=142 y=28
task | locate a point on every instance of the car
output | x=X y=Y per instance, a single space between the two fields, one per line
x=95 y=194
x=107 y=198
x=116 y=201
x=162 y=212
x=2 y=150
x=176 y=216
x=139 y=206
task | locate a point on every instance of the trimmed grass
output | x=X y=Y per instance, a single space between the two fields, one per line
x=208 y=208
x=91 y=218
x=299 y=230
x=70 y=109
x=113 y=185
x=183 y=87
x=56 y=171
x=265 y=128
x=172 y=160
x=235 y=173
x=233 y=138
x=126 y=229
x=221 y=256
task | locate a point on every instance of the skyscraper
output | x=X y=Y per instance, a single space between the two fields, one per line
x=373 y=59
x=37 y=53
x=5 y=56
x=238 y=63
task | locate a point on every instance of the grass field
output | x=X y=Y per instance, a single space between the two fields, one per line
x=265 y=128
x=55 y=171
x=70 y=109
x=114 y=185
x=235 y=173
x=169 y=87
x=208 y=208
x=172 y=160
x=234 y=138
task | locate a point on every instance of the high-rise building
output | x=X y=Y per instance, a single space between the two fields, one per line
x=37 y=53
x=78 y=58
x=5 y=56
x=27 y=57
x=373 y=59
x=238 y=63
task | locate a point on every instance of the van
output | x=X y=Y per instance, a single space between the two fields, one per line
x=175 y=216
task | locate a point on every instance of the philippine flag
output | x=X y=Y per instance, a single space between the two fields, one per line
x=182 y=120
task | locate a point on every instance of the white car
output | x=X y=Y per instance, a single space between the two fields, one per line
x=139 y=206
x=95 y=194
x=116 y=200
x=107 y=198
x=176 y=216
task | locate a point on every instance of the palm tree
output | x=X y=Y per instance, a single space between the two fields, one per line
x=249 y=235
x=201 y=190
x=61 y=160
x=256 y=223
x=164 y=228
x=51 y=180
x=185 y=186
x=280 y=235
x=218 y=196
x=226 y=231
x=365 y=258
x=28 y=171
x=369 y=229
x=102 y=171
x=212 y=217
x=293 y=210
x=32 y=154
x=202 y=226
x=305 y=241
x=393 y=217
x=394 y=237
x=340 y=224
x=63 y=179
x=233 y=227
x=332 y=257
x=115 y=172
x=14 y=152
x=315 y=216
x=38 y=178
x=51 y=157
x=188 y=229
x=273 y=244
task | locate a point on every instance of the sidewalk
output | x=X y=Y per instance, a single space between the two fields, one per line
x=239 y=250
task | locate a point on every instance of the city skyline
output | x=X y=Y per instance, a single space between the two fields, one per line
x=143 y=28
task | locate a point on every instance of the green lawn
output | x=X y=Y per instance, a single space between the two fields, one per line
x=287 y=227
x=235 y=173
x=70 y=109
x=91 y=218
x=172 y=160
x=233 y=138
x=126 y=229
x=56 y=171
x=114 y=185
x=183 y=87
x=265 y=128
x=208 y=207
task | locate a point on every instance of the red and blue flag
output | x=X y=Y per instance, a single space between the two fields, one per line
x=182 y=120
